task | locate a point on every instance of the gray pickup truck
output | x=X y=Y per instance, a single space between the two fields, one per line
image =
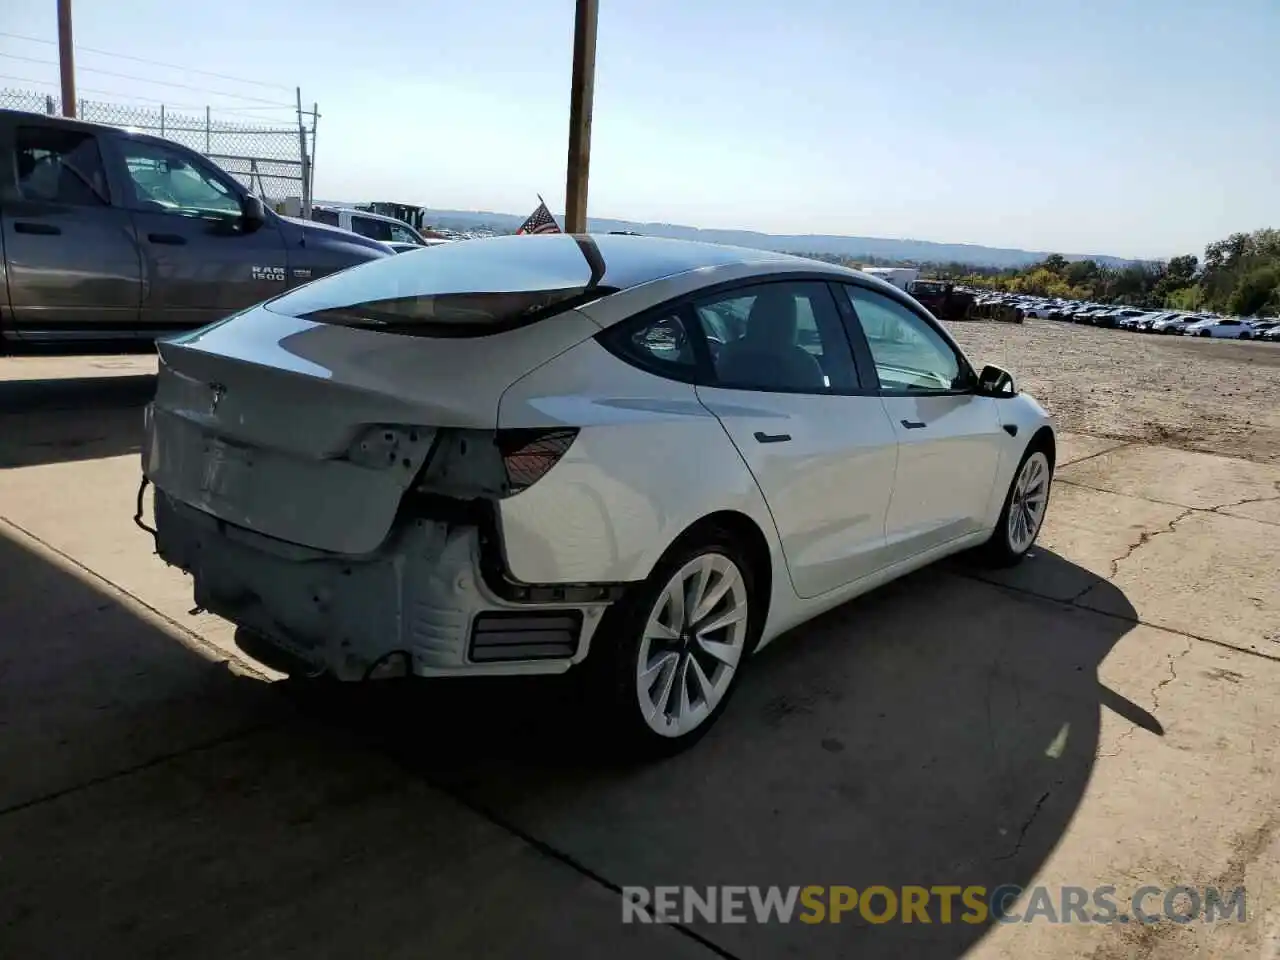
x=109 y=234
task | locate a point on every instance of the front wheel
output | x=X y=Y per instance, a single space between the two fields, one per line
x=669 y=654
x=1025 y=506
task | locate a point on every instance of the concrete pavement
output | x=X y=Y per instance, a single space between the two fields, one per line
x=1103 y=714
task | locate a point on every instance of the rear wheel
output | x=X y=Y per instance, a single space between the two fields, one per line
x=667 y=657
x=1025 y=506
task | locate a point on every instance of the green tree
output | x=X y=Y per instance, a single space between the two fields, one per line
x=1055 y=263
x=1082 y=271
x=1258 y=290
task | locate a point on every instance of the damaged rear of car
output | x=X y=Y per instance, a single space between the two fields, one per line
x=328 y=466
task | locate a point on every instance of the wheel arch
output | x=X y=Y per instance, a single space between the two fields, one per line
x=1044 y=439
x=747 y=535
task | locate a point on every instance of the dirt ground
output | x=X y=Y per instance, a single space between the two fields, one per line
x=1217 y=396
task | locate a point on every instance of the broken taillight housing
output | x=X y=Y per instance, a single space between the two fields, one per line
x=528 y=455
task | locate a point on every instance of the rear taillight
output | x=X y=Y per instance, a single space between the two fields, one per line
x=527 y=455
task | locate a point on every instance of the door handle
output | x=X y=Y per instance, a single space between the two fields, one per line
x=42 y=229
x=174 y=239
x=773 y=437
x=913 y=424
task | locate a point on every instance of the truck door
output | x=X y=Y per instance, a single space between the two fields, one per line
x=73 y=261
x=200 y=260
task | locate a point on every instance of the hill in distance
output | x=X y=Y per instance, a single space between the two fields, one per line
x=918 y=251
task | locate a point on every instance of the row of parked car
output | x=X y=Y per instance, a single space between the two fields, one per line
x=1173 y=322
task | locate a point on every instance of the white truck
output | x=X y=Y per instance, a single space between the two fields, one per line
x=900 y=277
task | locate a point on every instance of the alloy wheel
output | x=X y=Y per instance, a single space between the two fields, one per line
x=1028 y=503
x=694 y=638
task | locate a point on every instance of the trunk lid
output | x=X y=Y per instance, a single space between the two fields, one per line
x=311 y=432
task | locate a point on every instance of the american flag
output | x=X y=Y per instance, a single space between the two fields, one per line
x=540 y=221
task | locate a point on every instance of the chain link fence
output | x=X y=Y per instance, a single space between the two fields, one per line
x=275 y=162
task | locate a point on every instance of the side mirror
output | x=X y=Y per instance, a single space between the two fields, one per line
x=994 y=382
x=253 y=215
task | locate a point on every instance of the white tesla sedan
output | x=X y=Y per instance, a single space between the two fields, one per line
x=637 y=458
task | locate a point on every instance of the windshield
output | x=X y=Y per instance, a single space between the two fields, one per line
x=457 y=289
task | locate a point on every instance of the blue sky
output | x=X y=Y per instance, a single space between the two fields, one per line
x=1132 y=127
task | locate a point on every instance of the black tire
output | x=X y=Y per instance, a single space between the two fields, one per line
x=998 y=550
x=610 y=672
x=1205 y=333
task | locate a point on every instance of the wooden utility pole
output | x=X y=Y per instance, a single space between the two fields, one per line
x=66 y=59
x=581 y=92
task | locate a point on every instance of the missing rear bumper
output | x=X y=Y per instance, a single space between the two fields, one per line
x=421 y=593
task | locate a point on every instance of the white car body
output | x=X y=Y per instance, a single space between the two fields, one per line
x=1231 y=328
x=375 y=226
x=348 y=493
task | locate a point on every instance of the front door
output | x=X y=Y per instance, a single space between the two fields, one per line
x=949 y=438
x=73 y=261
x=822 y=451
x=200 y=262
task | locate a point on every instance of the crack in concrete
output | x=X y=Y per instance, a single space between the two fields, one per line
x=1173 y=658
x=1026 y=825
x=1146 y=537
x=1247 y=500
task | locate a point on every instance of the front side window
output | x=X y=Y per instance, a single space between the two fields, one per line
x=402 y=234
x=782 y=337
x=373 y=229
x=910 y=356
x=60 y=166
x=167 y=181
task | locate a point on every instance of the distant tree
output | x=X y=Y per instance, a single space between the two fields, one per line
x=1182 y=270
x=1257 y=290
x=1082 y=271
x=1055 y=263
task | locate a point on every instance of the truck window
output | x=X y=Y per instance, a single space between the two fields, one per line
x=373 y=229
x=165 y=181
x=329 y=217
x=404 y=234
x=60 y=166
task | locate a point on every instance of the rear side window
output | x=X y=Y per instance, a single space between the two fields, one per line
x=325 y=216
x=60 y=166
x=660 y=343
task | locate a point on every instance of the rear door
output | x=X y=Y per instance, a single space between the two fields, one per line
x=200 y=261
x=820 y=447
x=949 y=438
x=74 y=267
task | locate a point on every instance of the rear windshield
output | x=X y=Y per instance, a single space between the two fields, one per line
x=469 y=288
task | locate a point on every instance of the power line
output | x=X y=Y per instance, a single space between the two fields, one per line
x=163 y=83
x=154 y=63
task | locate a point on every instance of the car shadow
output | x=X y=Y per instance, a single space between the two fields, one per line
x=62 y=419
x=937 y=732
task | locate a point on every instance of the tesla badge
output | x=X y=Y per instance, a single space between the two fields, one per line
x=216 y=392
x=267 y=273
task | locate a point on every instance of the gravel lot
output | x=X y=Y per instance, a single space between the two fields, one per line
x=1218 y=396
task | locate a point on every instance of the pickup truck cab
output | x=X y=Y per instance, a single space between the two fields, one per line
x=108 y=234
